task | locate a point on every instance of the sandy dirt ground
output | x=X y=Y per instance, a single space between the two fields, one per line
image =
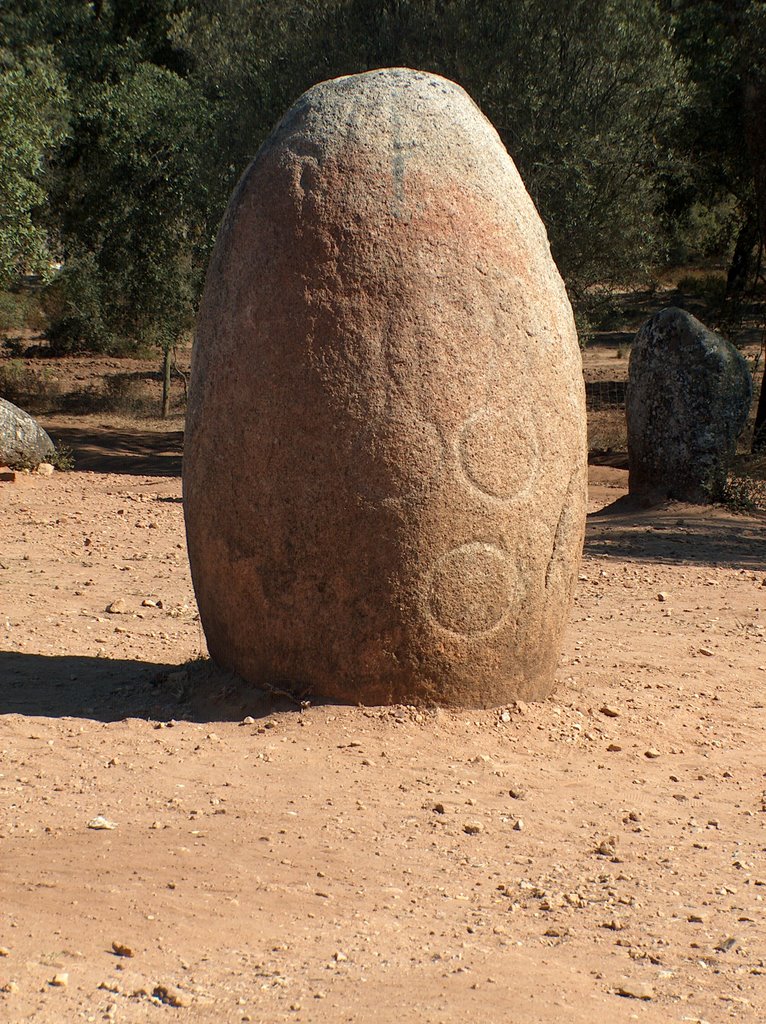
x=597 y=857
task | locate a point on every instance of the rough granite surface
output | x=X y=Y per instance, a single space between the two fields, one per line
x=23 y=442
x=385 y=457
x=689 y=394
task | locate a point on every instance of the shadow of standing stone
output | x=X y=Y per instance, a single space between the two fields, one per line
x=689 y=394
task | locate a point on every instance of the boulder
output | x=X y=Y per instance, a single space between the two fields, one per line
x=385 y=456
x=23 y=442
x=689 y=394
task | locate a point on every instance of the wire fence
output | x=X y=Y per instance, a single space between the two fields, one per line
x=603 y=395
x=607 y=426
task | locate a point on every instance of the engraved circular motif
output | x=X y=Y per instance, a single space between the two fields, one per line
x=499 y=453
x=472 y=589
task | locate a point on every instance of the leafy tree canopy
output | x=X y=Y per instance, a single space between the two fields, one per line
x=126 y=124
x=583 y=93
x=33 y=122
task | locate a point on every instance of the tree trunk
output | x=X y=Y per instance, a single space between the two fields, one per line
x=741 y=266
x=755 y=134
x=759 y=433
x=166 y=366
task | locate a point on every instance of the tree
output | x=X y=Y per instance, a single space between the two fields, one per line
x=583 y=93
x=126 y=197
x=134 y=208
x=724 y=129
x=33 y=121
x=711 y=168
x=754 y=107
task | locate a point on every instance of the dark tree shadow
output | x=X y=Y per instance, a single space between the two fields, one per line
x=123 y=451
x=109 y=690
x=677 y=534
x=611 y=339
x=609 y=458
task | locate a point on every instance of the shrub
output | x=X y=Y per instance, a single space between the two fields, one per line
x=14 y=311
x=708 y=288
x=30 y=389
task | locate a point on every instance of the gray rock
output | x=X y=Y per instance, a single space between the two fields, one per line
x=689 y=393
x=23 y=442
x=384 y=465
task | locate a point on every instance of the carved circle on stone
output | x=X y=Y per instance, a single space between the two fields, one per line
x=499 y=453
x=472 y=589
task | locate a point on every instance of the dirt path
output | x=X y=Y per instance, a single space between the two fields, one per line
x=385 y=864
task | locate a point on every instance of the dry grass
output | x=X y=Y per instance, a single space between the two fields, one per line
x=123 y=394
x=34 y=390
x=607 y=430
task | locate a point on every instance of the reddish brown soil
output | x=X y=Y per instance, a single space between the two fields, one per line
x=385 y=864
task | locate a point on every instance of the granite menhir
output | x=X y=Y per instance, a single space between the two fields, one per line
x=689 y=393
x=385 y=459
x=23 y=442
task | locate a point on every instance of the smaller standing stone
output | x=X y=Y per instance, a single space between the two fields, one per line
x=23 y=442
x=689 y=393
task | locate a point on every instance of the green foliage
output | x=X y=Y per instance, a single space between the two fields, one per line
x=710 y=288
x=126 y=200
x=76 y=298
x=62 y=458
x=33 y=104
x=711 y=194
x=134 y=203
x=742 y=494
x=125 y=126
x=30 y=389
x=581 y=91
x=704 y=230
x=15 y=310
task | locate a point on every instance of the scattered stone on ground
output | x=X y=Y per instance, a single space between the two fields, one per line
x=100 y=823
x=635 y=990
x=120 y=949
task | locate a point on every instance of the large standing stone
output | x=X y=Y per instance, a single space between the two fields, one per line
x=689 y=393
x=384 y=470
x=23 y=442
